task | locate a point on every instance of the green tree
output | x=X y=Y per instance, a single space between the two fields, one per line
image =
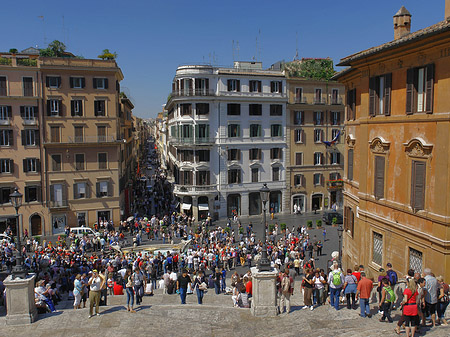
x=107 y=55
x=54 y=49
x=13 y=51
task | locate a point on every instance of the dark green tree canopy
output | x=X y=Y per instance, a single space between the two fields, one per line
x=317 y=69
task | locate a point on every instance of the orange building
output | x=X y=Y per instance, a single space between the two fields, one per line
x=397 y=177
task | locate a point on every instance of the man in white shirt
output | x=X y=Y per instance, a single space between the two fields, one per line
x=96 y=283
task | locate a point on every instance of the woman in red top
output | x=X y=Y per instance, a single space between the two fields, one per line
x=410 y=314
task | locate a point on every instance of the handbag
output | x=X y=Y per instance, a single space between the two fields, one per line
x=202 y=286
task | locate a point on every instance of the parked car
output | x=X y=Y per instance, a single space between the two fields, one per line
x=327 y=217
x=80 y=231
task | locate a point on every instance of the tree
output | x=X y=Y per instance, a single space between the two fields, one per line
x=13 y=51
x=107 y=55
x=54 y=49
x=318 y=69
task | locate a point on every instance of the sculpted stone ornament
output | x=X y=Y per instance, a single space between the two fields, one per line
x=351 y=140
x=379 y=145
x=418 y=148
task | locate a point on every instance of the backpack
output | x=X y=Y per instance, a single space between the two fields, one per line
x=337 y=278
x=392 y=276
x=285 y=285
x=390 y=296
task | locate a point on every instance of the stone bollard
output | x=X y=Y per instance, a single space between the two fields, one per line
x=20 y=305
x=264 y=297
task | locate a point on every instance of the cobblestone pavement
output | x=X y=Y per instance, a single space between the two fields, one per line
x=163 y=315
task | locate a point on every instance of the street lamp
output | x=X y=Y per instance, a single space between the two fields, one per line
x=18 y=269
x=264 y=263
x=340 y=230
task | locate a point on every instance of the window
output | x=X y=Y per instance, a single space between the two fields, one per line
x=255 y=130
x=350 y=165
x=418 y=180
x=201 y=86
x=419 y=89
x=233 y=109
x=380 y=95
x=349 y=220
x=28 y=86
x=186 y=177
x=255 y=175
x=6 y=166
x=80 y=190
x=317 y=179
x=415 y=260
x=377 y=256
x=299 y=158
x=276 y=110
x=202 y=155
x=298 y=135
x=351 y=104
x=102 y=158
x=298 y=180
x=335 y=96
x=202 y=108
x=298 y=95
x=254 y=86
x=28 y=113
x=5 y=112
x=318 y=158
x=202 y=178
x=100 y=83
x=3 y=88
x=54 y=107
x=335 y=134
x=79 y=135
x=299 y=117
x=79 y=162
x=53 y=82
x=186 y=155
x=255 y=109
x=275 y=174
x=335 y=118
x=30 y=137
x=379 y=177
x=234 y=154
x=276 y=86
x=276 y=153
x=99 y=108
x=185 y=109
x=202 y=131
x=31 y=165
x=187 y=131
x=103 y=189
x=6 y=137
x=4 y=195
x=318 y=135
x=77 y=82
x=318 y=117
x=55 y=134
x=254 y=154
x=56 y=162
x=234 y=176
x=318 y=97
x=234 y=85
x=276 y=130
x=335 y=158
x=76 y=107
x=234 y=130
x=32 y=193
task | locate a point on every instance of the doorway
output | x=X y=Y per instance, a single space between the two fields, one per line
x=316 y=202
x=36 y=225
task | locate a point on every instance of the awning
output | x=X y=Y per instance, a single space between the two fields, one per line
x=186 y=206
x=203 y=207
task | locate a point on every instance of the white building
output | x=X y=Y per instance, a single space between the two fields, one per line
x=227 y=136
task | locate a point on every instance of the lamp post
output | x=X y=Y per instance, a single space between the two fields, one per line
x=18 y=269
x=264 y=263
x=340 y=230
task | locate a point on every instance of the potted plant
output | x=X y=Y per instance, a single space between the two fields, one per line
x=309 y=224
x=241 y=230
x=271 y=228
x=334 y=221
x=319 y=223
x=283 y=227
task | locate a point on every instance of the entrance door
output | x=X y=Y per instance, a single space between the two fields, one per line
x=316 y=202
x=36 y=225
x=298 y=200
x=104 y=216
x=254 y=203
x=234 y=204
x=275 y=202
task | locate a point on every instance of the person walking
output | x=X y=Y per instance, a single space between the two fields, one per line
x=350 y=286
x=95 y=284
x=335 y=281
x=128 y=279
x=308 y=287
x=410 y=311
x=182 y=284
x=199 y=284
x=77 y=291
x=430 y=295
x=363 y=291
x=286 y=292
x=387 y=301
x=443 y=300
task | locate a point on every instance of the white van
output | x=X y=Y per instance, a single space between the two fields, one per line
x=80 y=231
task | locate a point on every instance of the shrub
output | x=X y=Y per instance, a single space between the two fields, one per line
x=309 y=223
x=283 y=226
x=319 y=223
x=241 y=230
x=271 y=227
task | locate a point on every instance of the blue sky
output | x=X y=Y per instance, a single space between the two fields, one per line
x=152 y=37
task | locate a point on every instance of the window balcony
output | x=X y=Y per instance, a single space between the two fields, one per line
x=300 y=100
x=191 y=141
x=5 y=121
x=91 y=139
x=30 y=121
x=336 y=101
x=320 y=100
x=192 y=93
x=58 y=204
x=191 y=188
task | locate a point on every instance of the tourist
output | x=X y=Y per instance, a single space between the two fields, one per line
x=443 y=300
x=77 y=291
x=387 y=300
x=350 y=285
x=410 y=314
x=335 y=282
x=217 y=277
x=431 y=300
x=363 y=292
x=96 y=283
x=128 y=280
x=319 y=287
x=200 y=286
x=286 y=292
x=182 y=284
x=41 y=294
x=308 y=287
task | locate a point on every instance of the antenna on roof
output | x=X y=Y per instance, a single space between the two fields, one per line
x=296 y=47
x=237 y=50
x=257 y=50
x=232 y=48
x=43 y=26
x=63 y=31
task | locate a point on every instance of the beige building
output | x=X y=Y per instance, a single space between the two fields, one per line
x=314 y=170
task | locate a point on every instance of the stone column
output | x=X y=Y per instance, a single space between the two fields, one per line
x=264 y=298
x=20 y=305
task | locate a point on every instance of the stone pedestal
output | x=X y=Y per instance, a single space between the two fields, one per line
x=20 y=305
x=264 y=298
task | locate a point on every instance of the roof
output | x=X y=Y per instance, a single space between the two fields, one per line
x=341 y=73
x=440 y=27
x=402 y=11
x=31 y=51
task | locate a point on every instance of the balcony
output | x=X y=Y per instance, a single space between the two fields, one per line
x=5 y=121
x=58 y=204
x=191 y=141
x=320 y=100
x=192 y=93
x=336 y=101
x=197 y=189
x=30 y=121
x=337 y=184
x=300 y=100
x=91 y=139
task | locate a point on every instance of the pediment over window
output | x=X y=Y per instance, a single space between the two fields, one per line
x=417 y=147
x=234 y=166
x=185 y=167
x=379 y=145
x=276 y=163
x=255 y=165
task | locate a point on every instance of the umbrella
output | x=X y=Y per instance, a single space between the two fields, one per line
x=131 y=218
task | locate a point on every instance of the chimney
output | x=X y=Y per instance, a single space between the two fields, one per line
x=447 y=10
x=402 y=22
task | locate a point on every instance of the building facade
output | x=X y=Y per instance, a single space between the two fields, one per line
x=396 y=200
x=315 y=114
x=227 y=136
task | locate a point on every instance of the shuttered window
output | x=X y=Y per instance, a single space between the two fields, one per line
x=350 y=165
x=299 y=158
x=380 y=88
x=255 y=109
x=418 y=177
x=3 y=86
x=28 y=86
x=419 y=89
x=379 y=177
x=351 y=104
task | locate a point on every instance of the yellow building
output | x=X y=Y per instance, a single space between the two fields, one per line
x=397 y=202
x=314 y=170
